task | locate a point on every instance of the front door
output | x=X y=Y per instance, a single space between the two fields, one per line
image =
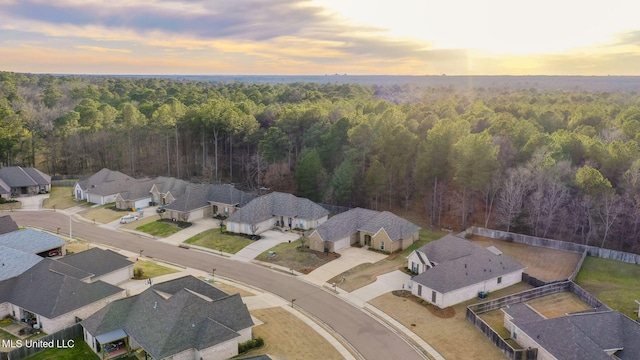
x=367 y=240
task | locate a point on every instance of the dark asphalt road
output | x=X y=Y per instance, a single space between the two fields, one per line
x=373 y=340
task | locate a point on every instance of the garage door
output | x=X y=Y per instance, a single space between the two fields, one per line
x=342 y=243
x=196 y=214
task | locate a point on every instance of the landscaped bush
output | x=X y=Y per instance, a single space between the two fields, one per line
x=179 y=223
x=249 y=345
x=138 y=273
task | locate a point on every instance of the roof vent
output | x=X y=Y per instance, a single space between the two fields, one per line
x=155 y=305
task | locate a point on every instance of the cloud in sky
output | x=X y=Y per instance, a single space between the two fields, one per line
x=312 y=37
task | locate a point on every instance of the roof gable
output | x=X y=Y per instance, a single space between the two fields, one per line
x=97 y=261
x=166 y=326
x=277 y=204
x=462 y=264
x=15 y=176
x=14 y=262
x=7 y=225
x=31 y=240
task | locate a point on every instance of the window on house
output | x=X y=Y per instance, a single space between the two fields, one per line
x=419 y=290
x=381 y=245
x=433 y=297
x=500 y=280
x=226 y=211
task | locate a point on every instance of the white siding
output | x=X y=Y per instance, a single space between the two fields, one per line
x=116 y=277
x=469 y=292
x=525 y=341
x=78 y=193
x=5 y=309
x=245 y=335
x=68 y=319
x=414 y=259
x=189 y=354
x=222 y=351
x=342 y=243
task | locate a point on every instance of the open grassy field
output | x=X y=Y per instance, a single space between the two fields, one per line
x=215 y=239
x=102 y=214
x=151 y=269
x=615 y=283
x=288 y=337
x=288 y=255
x=77 y=246
x=61 y=197
x=157 y=228
x=542 y=263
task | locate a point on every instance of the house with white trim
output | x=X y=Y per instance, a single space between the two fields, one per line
x=452 y=270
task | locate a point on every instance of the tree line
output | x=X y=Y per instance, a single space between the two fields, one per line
x=560 y=164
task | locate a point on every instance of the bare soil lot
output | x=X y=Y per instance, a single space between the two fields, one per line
x=293 y=256
x=542 y=263
x=288 y=337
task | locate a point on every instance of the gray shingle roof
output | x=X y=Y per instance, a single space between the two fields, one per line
x=38 y=176
x=175 y=186
x=586 y=336
x=199 y=196
x=140 y=189
x=4 y=188
x=164 y=327
x=396 y=227
x=345 y=224
x=49 y=293
x=97 y=261
x=462 y=263
x=31 y=241
x=106 y=182
x=277 y=204
x=15 y=176
x=14 y=262
x=7 y=225
x=523 y=313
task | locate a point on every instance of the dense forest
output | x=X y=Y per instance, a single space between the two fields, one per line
x=559 y=164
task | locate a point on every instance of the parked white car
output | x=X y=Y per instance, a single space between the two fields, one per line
x=128 y=218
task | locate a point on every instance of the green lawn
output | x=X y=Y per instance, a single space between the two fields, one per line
x=80 y=350
x=615 y=283
x=158 y=228
x=61 y=197
x=215 y=239
x=151 y=269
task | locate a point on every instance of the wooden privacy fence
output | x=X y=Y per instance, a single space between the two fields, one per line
x=557 y=244
x=61 y=337
x=525 y=354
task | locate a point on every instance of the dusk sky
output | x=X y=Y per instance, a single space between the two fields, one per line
x=296 y=37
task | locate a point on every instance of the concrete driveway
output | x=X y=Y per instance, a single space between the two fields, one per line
x=349 y=257
x=33 y=202
x=270 y=238
x=385 y=283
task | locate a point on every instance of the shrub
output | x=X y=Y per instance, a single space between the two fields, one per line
x=468 y=235
x=138 y=273
x=251 y=344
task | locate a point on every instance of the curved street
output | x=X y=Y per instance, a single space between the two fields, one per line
x=370 y=338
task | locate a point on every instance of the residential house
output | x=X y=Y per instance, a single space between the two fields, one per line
x=379 y=230
x=52 y=296
x=593 y=335
x=23 y=181
x=184 y=318
x=167 y=189
x=207 y=200
x=34 y=241
x=103 y=265
x=136 y=196
x=276 y=210
x=7 y=225
x=452 y=270
x=103 y=187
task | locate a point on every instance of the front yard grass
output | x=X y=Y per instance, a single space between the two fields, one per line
x=288 y=337
x=615 y=283
x=215 y=239
x=159 y=228
x=80 y=350
x=145 y=220
x=61 y=197
x=103 y=214
x=291 y=256
x=151 y=269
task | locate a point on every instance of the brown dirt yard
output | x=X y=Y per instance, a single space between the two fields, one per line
x=288 y=337
x=453 y=338
x=542 y=263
